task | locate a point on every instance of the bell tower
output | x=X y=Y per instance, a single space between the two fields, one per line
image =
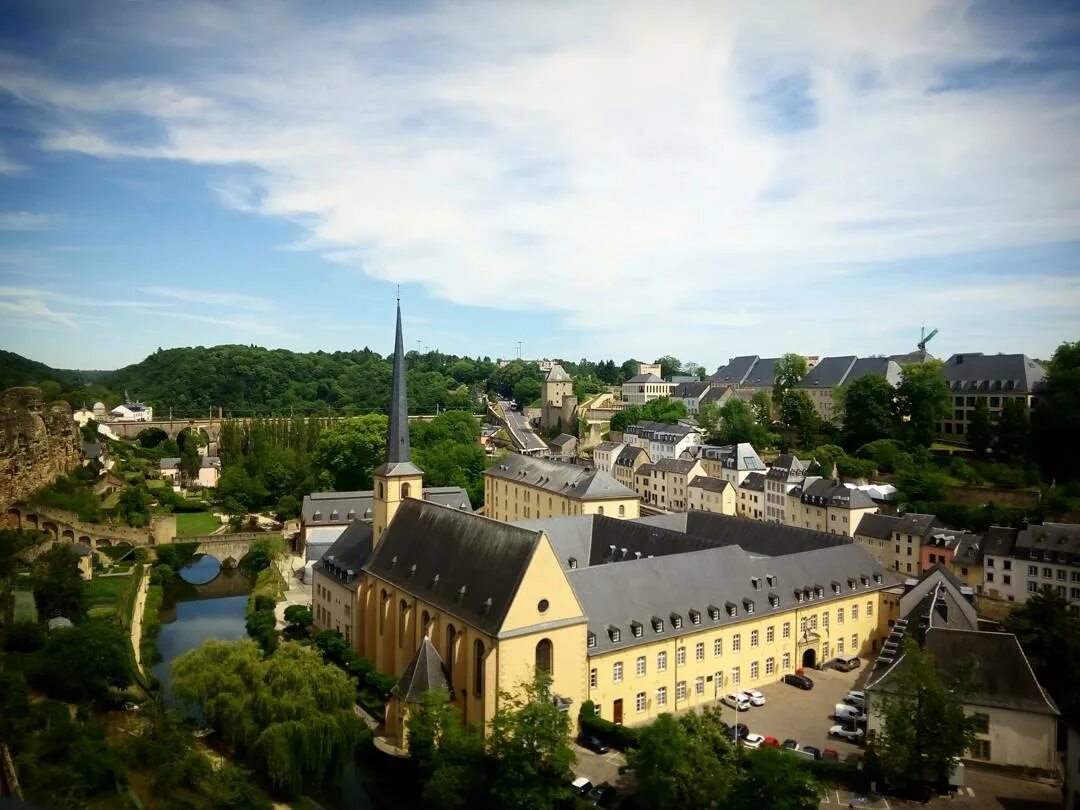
x=398 y=478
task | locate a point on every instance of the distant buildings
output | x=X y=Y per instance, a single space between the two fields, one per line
x=557 y=400
x=208 y=475
x=646 y=385
x=662 y=440
x=131 y=412
x=993 y=378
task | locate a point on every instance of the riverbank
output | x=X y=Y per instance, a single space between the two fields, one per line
x=137 y=617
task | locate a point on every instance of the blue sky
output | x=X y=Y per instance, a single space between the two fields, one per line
x=601 y=180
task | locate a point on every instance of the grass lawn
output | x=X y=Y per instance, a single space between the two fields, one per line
x=189 y=524
x=158 y=483
x=24 y=606
x=103 y=595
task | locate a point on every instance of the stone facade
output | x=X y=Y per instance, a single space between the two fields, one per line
x=38 y=443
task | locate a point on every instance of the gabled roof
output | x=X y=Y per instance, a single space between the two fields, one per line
x=881 y=366
x=462 y=563
x=939 y=599
x=757 y=537
x=689 y=390
x=607 y=447
x=718 y=393
x=787 y=468
x=559 y=477
x=557 y=374
x=1000 y=541
x=741 y=456
x=1008 y=373
x=710 y=483
x=629 y=454
x=877 y=525
x=644 y=378
x=357 y=505
x=563 y=439
x=426 y=671
x=347 y=555
x=1061 y=538
x=679 y=466
x=828 y=373
x=735 y=371
x=826 y=492
x=653 y=430
x=754 y=482
x=763 y=373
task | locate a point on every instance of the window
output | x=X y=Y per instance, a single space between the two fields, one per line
x=680 y=656
x=839 y=615
x=1033 y=570
x=754 y=636
x=1032 y=587
x=770 y=634
x=981 y=749
x=616 y=634
x=770 y=666
x=639 y=702
x=699 y=651
x=785 y=662
x=718 y=647
x=641 y=666
x=622 y=513
x=543 y=655
x=1061 y=574
x=1007 y=564
x=451 y=640
x=753 y=670
x=854 y=642
x=1007 y=579
x=680 y=691
x=478 y=668
x=734 y=676
x=1048 y=573
x=786 y=630
x=592 y=677
x=699 y=685
x=661 y=696
x=869 y=609
x=616 y=672
x=980 y=723
x=854 y=613
x=736 y=642
x=839 y=645
x=661 y=661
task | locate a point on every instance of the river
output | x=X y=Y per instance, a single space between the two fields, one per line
x=207 y=602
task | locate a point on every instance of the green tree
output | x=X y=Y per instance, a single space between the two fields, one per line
x=529 y=742
x=58 y=589
x=797 y=411
x=761 y=405
x=924 y=731
x=190 y=461
x=980 y=432
x=787 y=373
x=82 y=662
x=1055 y=424
x=738 y=424
x=13 y=543
x=151 y=437
x=869 y=413
x=778 y=781
x=1013 y=432
x=300 y=619
x=134 y=505
x=669 y=366
x=922 y=400
x=921 y=484
x=289 y=715
x=89 y=431
x=350 y=451
x=526 y=391
x=1050 y=636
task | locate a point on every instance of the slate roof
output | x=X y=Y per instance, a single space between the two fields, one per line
x=349 y=553
x=975 y=371
x=653 y=430
x=969 y=549
x=628 y=455
x=939 y=599
x=606 y=447
x=359 y=503
x=700 y=585
x=710 y=483
x=736 y=369
x=755 y=536
x=740 y=456
x=563 y=439
x=1001 y=674
x=999 y=541
x=754 y=482
x=881 y=366
x=169 y=463
x=426 y=671
x=826 y=492
x=398 y=453
x=763 y=373
x=679 y=466
x=1060 y=538
x=828 y=373
x=559 y=477
x=464 y=564
x=787 y=467
x=557 y=374
x=877 y=526
x=716 y=394
x=688 y=390
x=644 y=378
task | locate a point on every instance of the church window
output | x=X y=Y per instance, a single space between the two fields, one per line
x=405 y=489
x=403 y=615
x=478 y=668
x=543 y=655
x=451 y=640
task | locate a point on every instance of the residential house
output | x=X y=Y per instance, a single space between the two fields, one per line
x=207 y=476
x=825 y=505
x=751 y=502
x=1003 y=577
x=896 y=541
x=627 y=463
x=711 y=495
x=1049 y=556
x=604 y=455
x=690 y=394
x=132 y=412
x=563 y=447
x=967 y=561
x=646 y=385
x=783 y=475
x=995 y=378
x=940 y=548
x=663 y=484
x=661 y=439
x=730 y=462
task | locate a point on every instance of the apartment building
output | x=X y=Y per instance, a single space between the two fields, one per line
x=604 y=455
x=825 y=505
x=661 y=439
x=691 y=394
x=628 y=461
x=751 y=500
x=994 y=378
x=783 y=475
x=663 y=484
x=709 y=494
x=821 y=382
x=896 y=541
x=730 y=462
x=646 y=385
x=1048 y=555
x=1003 y=578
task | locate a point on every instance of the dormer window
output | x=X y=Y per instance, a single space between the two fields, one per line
x=836 y=587
x=676 y=621
x=334 y=515
x=351 y=515
x=657 y=624
x=798 y=596
x=695 y=616
x=714 y=613
x=770 y=579
x=637 y=629
x=615 y=633
x=756 y=583
x=864 y=580
x=317 y=516
x=877 y=578
x=819 y=591
x=749 y=605
x=774 y=600
x=732 y=609
x=573 y=562
x=851 y=583
x=591 y=639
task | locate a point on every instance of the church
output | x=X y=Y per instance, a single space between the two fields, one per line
x=644 y=616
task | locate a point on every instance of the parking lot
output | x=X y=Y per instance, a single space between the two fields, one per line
x=804 y=716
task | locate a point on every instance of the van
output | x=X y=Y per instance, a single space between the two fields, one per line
x=843 y=711
x=845 y=664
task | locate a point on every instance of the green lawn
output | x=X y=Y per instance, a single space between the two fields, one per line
x=24 y=606
x=103 y=595
x=189 y=524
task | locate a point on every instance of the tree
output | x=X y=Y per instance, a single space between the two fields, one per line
x=736 y=423
x=134 y=505
x=300 y=619
x=761 y=405
x=1055 y=424
x=924 y=731
x=89 y=431
x=527 y=391
x=669 y=366
x=290 y=715
x=776 y=780
x=921 y=484
x=787 y=373
x=797 y=410
x=151 y=437
x=58 y=589
x=1013 y=433
x=350 y=451
x=451 y=758
x=869 y=413
x=1050 y=636
x=190 y=460
x=13 y=543
x=922 y=400
x=695 y=370
x=980 y=432
x=82 y=662
x=529 y=742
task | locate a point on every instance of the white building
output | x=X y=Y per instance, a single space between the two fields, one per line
x=605 y=453
x=784 y=475
x=132 y=412
x=662 y=440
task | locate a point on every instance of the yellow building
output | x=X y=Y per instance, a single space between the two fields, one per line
x=896 y=541
x=824 y=505
x=751 y=496
x=730 y=462
x=627 y=463
x=522 y=487
x=711 y=495
x=557 y=400
x=663 y=484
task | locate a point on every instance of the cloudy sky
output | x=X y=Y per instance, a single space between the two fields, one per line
x=601 y=180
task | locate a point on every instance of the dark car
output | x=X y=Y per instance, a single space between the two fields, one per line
x=594 y=745
x=603 y=795
x=743 y=730
x=844 y=664
x=790 y=743
x=800 y=681
x=814 y=752
x=830 y=755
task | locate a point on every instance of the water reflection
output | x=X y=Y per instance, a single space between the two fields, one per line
x=201 y=570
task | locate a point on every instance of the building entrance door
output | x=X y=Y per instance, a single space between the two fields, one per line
x=616 y=714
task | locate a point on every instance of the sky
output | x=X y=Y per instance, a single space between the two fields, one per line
x=602 y=180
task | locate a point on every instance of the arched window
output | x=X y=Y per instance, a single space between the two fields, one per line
x=543 y=655
x=384 y=608
x=622 y=511
x=405 y=490
x=599 y=510
x=403 y=615
x=478 y=668
x=451 y=639
x=427 y=622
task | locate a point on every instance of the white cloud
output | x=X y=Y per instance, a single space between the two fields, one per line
x=211 y=297
x=600 y=160
x=24 y=220
x=35 y=310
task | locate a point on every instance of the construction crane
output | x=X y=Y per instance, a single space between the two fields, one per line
x=926 y=338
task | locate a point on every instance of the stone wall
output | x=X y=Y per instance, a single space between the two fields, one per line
x=38 y=443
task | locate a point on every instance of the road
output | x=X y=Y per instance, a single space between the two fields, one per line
x=522 y=432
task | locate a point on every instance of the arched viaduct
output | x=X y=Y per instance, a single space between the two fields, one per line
x=66 y=527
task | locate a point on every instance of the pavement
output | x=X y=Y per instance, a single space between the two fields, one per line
x=983 y=790
x=298 y=593
x=599 y=768
x=137 y=616
x=521 y=429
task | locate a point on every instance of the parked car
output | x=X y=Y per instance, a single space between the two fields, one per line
x=800 y=681
x=848 y=713
x=843 y=732
x=742 y=730
x=753 y=740
x=593 y=744
x=790 y=744
x=737 y=701
x=581 y=785
x=812 y=751
x=843 y=664
x=770 y=742
x=856 y=698
x=754 y=696
x=830 y=755
x=603 y=795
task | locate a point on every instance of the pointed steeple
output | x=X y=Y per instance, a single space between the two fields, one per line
x=397 y=448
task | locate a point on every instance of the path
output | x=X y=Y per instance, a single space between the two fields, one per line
x=137 y=616
x=298 y=593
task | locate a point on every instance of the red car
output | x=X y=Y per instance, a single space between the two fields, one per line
x=830 y=755
x=770 y=742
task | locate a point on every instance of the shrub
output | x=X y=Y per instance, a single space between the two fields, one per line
x=24 y=637
x=607 y=732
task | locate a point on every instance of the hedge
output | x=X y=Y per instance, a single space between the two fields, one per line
x=609 y=733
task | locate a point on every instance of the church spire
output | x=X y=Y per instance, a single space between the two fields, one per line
x=397 y=446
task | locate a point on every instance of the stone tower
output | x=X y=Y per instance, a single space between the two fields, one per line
x=398 y=478
x=556 y=392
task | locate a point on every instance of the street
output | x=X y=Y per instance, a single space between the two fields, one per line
x=523 y=433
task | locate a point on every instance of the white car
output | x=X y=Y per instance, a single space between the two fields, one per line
x=850 y=734
x=737 y=701
x=754 y=696
x=846 y=712
x=753 y=740
x=856 y=698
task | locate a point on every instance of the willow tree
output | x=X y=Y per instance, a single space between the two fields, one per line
x=290 y=715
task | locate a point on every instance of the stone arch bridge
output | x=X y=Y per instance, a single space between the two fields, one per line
x=228 y=549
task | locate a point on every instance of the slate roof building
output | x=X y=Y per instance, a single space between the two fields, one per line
x=821 y=382
x=731 y=462
x=993 y=378
x=661 y=439
x=710 y=494
x=645 y=387
x=751 y=503
x=827 y=506
x=782 y=476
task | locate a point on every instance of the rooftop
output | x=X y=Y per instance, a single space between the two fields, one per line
x=329 y=508
x=559 y=477
x=975 y=371
x=710 y=483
